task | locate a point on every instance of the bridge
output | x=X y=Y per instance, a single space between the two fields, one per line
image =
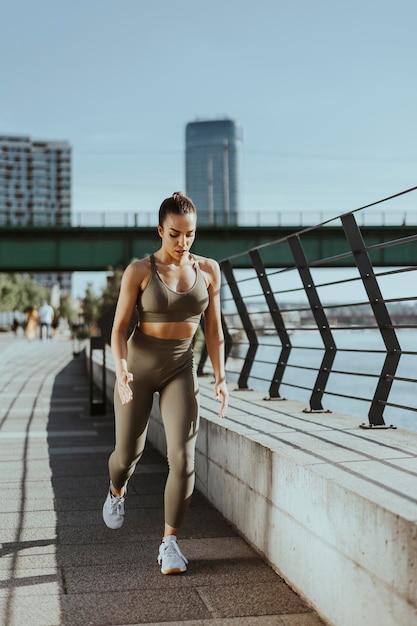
x=47 y=248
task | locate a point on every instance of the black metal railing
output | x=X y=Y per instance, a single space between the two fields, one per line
x=322 y=333
x=48 y=218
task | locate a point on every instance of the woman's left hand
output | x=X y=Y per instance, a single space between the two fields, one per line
x=221 y=393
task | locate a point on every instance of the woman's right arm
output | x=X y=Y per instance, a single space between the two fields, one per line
x=126 y=302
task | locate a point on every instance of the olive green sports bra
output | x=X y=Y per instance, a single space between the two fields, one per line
x=159 y=303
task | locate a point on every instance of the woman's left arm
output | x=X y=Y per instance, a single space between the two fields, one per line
x=215 y=337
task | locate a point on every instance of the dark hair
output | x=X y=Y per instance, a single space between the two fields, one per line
x=178 y=204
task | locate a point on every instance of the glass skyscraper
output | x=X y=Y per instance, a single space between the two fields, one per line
x=212 y=169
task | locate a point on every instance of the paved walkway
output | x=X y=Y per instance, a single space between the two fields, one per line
x=60 y=565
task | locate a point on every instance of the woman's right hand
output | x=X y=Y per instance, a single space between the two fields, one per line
x=125 y=392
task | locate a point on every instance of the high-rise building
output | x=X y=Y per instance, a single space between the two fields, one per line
x=35 y=180
x=35 y=187
x=212 y=169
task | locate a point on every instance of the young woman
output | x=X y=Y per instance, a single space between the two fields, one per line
x=171 y=290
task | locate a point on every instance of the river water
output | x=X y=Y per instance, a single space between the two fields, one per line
x=357 y=354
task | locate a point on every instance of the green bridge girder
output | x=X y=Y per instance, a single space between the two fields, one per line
x=67 y=249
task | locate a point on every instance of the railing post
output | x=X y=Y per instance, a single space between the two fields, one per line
x=228 y=342
x=246 y=323
x=278 y=321
x=321 y=320
x=98 y=408
x=382 y=317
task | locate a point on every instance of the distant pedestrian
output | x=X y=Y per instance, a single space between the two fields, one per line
x=55 y=322
x=15 y=325
x=31 y=323
x=46 y=316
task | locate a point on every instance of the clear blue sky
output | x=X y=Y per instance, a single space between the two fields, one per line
x=325 y=92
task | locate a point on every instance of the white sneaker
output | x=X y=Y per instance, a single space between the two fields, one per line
x=170 y=557
x=114 y=510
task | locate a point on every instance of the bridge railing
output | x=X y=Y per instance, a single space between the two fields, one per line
x=336 y=338
x=121 y=219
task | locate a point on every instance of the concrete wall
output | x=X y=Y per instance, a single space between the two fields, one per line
x=314 y=504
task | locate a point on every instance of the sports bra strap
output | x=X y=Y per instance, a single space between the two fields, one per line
x=153 y=263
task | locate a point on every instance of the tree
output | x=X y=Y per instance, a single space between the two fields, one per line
x=9 y=290
x=18 y=293
x=110 y=293
x=90 y=305
x=31 y=293
x=66 y=308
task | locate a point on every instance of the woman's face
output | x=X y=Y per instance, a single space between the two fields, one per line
x=177 y=234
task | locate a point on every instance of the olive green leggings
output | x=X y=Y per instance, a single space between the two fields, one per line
x=166 y=366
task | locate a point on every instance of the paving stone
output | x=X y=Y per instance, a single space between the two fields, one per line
x=23 y=611
x=152 y=605
x=255 y=598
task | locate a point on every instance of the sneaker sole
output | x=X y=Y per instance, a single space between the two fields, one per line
x=173 y=570
x=113 y=527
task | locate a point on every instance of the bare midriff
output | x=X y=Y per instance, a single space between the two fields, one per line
x=169 y=330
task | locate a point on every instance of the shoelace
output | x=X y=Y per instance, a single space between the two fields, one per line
x=116 y=504
x=172 y=549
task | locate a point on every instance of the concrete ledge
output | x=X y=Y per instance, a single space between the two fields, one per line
x=332 y=507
